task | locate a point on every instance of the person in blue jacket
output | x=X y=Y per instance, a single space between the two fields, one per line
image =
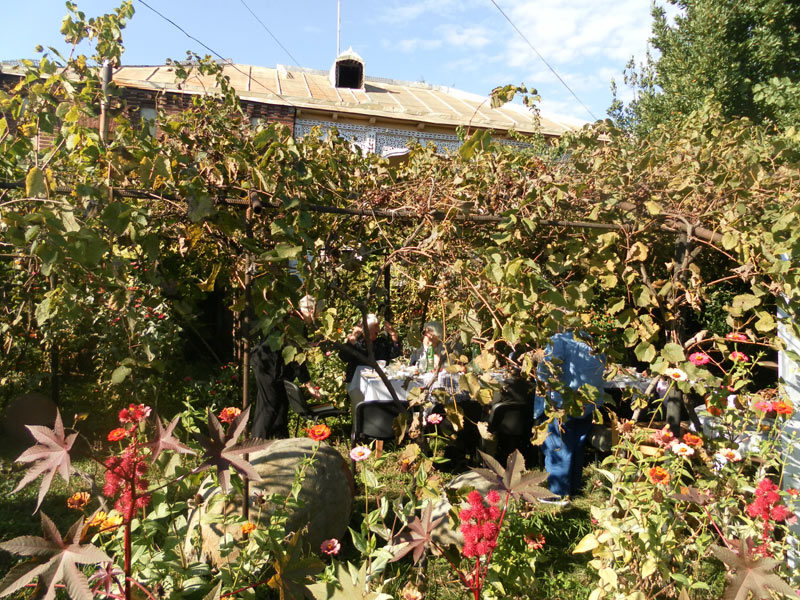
x=569 y=363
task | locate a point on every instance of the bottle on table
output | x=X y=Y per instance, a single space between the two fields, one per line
x=429 y=359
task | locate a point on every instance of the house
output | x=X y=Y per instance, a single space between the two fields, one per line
x=379 y=115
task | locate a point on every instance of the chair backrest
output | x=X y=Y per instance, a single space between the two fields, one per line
x=511 y=418
x=297 y=401
x=376 y=420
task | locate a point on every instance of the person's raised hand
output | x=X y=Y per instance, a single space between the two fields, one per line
x=388 y=328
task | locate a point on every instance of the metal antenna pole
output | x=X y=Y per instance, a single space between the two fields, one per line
x=338 y=26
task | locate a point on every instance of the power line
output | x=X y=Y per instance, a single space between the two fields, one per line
x=522 y=35
x=227 y=61
x=272 y=35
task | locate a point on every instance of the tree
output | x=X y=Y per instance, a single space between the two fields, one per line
x=743 y=55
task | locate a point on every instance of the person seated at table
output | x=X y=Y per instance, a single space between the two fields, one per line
x=385 y=346
x=570 y=359
x=431 y=355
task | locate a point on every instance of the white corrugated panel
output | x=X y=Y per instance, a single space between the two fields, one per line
x=789 y=373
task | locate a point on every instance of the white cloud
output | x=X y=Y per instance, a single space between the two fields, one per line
x=460 y=36
x=399 y=12
x=413 y=44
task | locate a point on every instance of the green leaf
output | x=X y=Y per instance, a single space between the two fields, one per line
x=765 y=322
x=35 y=184
x=119 y=374
x=43 y=312
x=730 y=240
x=288 y=354
x=645 y=352
x=742 y=303
x=673 y=353
x=654 y=208
x=200 y=207
x=287 y=251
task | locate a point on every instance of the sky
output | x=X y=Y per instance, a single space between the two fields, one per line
x=465 y=44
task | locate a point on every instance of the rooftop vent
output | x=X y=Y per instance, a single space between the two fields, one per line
x=348 y=71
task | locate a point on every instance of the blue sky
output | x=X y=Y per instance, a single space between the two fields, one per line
x=466 y=44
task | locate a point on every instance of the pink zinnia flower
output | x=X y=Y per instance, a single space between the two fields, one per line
x=664 y=437
x=434 y=419
x=360 y=453
x=699 y=358
x=737 y=356
x=735 y=336
x=330 y=547
x=762 y=406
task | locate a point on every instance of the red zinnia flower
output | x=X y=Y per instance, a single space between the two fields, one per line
x=319 y=432
x=117 y=434
x=229 y=414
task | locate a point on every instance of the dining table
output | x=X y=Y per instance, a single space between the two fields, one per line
x=367 y=386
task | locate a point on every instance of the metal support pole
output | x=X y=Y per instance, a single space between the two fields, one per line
x=106 y=79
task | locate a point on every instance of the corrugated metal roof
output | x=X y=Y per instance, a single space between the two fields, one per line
x=312 y=89
x=380 y=98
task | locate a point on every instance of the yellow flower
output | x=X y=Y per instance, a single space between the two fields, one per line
x=98 y=519
x=111 y=522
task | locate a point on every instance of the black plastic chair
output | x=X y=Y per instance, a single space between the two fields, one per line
x=297 y=402
x=375 y=420
x=511 y=422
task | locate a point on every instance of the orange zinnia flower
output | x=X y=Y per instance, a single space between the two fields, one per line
x=782 y=408
x=659 y=476
x=78 y=500
x=691 y=439
x=319 y=432
x=248 y=527
x=117 y=434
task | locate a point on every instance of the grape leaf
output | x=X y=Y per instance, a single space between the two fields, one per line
x=50 y=456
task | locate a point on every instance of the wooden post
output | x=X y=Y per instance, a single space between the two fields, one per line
x=55 y=382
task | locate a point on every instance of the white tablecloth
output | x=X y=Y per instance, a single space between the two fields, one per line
x=367 y=386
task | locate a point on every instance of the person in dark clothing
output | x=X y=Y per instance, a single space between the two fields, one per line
x=384 y=346
x=271 y=411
